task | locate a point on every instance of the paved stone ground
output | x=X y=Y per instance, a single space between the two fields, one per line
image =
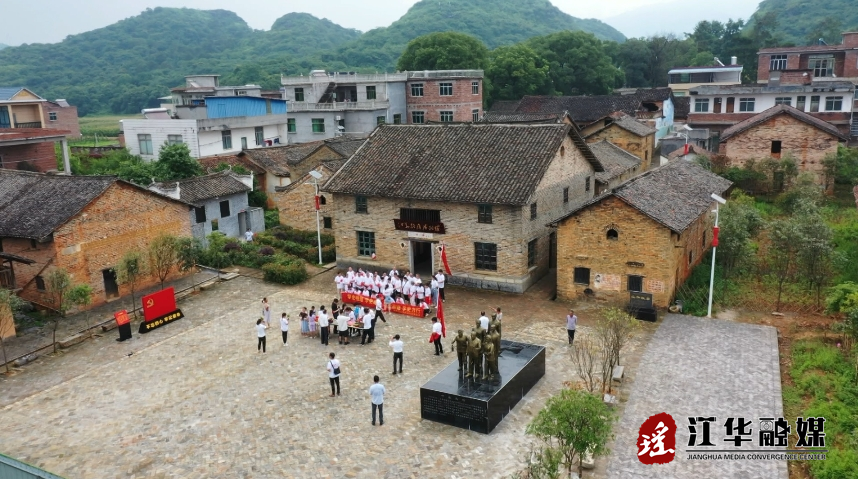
x=195 y=399
x=702 y=367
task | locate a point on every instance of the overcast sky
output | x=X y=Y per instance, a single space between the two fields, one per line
x=59 y=18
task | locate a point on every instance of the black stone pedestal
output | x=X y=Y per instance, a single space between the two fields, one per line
x=477 y=404
x=124 y=332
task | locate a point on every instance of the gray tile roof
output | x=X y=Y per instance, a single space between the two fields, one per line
x=276 y=159
x=631 y=125
x=34 y=205
x=201 y=188
x=505 y=117
x=681 y=107
x=674 y=195
x=582 y=109
x=614 y=159
x=466 y=163
x=785 y=110
x=345 y=145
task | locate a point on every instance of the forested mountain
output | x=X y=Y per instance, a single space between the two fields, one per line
x=125 y=66
x=495 y=22
x=3 y=45
x=803 y=22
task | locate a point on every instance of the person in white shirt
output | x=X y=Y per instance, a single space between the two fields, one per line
x=376 y=392
x=397 y=286
x=437 y=333
x=333 y=368
x=260 y=336
x=434 y=287
x=367 y=326
x=340 y=280
x=388 y=293
x=419 y=292
x=441 y=279
x=343 y=325
x=406 y=289
x=379 y=304
x=248 y=236
x=284 y=327
x=396 y=344
x=427 y=293
x=425 y=306
x=484 y=320
x=365 y=293
x=323 y=325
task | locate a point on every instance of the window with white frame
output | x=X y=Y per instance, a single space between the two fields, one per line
x=783 y=100
x=475 y=115
x=370 y=92
x=445 y=89
x=52 y=116
x=475 y=88
x=778 y=62
x=145 y=142
x=447 y=116
x=259 y=135
x=746 y=104
x=822 y=65
x=174 y=139
x=416 y=89
x=418 y=117
x=833 y=103
x=701 y=105
x=226 y=139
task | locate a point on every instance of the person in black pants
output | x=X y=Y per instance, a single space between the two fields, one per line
x=333 y=368
x=396 y=344
x=437 y=333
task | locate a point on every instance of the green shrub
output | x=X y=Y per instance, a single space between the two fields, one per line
x=272 y=219
x=284 y=274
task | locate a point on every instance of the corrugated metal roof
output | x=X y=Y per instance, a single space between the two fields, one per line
x=232 y=106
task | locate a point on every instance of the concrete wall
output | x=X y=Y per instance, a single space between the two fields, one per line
x=228 y=225
x=211 y=141
x=807 y=144
x=40 y=156
x=304 y=125
x=664 y=256
x=764 y=101
x=97 y=237
x=160 y=129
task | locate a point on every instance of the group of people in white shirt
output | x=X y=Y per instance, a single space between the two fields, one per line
x=393 y=286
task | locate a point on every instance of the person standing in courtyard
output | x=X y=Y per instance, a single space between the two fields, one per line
x=343 y=326
x=266 y=312
x=333 y=368
x=305 y=326
x=484 y=320
x=571 y=324
x=441 y=279
x=260 y=336
x=376 y=393
x=284 y=327
x=379 y=305
x=436 y=336
x=367 y=326
x=324 y=330
x=396 y=344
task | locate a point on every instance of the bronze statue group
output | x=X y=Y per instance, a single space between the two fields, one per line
x=478 y=353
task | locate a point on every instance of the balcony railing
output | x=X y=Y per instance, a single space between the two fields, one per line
x=339 y=105
x=31 y=124
x=350 y=77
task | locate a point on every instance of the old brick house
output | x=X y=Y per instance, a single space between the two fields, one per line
x=782 y=131
x=83 y=224
x=644 y=235
x=625 y=132
x=486 y=191
x=619 y=165
x=31 y=149
x=297 y=201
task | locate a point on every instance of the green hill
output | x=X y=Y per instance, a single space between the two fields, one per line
x=495 y=22
x=3 y=45
x=802 y=22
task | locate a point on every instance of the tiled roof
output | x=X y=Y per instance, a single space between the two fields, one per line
x=198 y=189
x=631 y=125
x=345 y=145
x=466 y=163
x=17 y=134
x=778 y=110
x=674 y=195
x=681 y=106
x=614 y=159
x=505 y=106
x=211 y=162
x=33 y=205
x=582 y=109
x=276 y=159
x=504 y=117
x=653 y=94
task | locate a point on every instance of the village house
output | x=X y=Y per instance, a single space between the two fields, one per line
x=219 y=203
x=619 y=165
x=21 y=108
x=779 y=132
x=645 y=235
x=625 y=132
x=296 y=202
x=83 y=224
x=483 y=191
x=32 y=149
x=682 y=79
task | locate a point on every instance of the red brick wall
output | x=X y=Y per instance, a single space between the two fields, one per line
x=66 y=119
x=39 y=155
x=797 y=77
x=97 y=237
x=461 y=103
x=807 y=144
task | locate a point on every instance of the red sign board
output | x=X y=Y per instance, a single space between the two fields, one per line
x=355 y=298
x=160 y=304
x=121 y=317
x=407 y=310
x=421 y=226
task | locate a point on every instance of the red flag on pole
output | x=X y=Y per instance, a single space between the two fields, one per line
x=687 y=149
x=441 y=318
x=444 y=259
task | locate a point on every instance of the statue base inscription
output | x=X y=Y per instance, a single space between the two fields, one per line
x=481 y=404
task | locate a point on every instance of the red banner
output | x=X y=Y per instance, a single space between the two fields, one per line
x=159 y=304
x=407 y=310
x=121 y=317
x=440 y=314
x=355 y=298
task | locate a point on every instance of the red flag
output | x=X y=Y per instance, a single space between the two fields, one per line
x=441 y=318
x=687 y=149
x=444 y=259
x=715 y=237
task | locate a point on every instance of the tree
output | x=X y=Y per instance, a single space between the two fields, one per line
x=131 y=268
x=175 y=163
x=827 y=29
x=613 y=332
x=444 y=51
x=574 y=423
x=585 y=356
x=9 y=303
x=63 y=293
x=189 y=251
x=578 y=63
x=739 y=223
x=80 y=295
x=784 y=239
x=163 y=255
x=514 y=72
x=816 y=256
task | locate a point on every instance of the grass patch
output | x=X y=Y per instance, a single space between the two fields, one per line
x=104 y=125
x=826 y=385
